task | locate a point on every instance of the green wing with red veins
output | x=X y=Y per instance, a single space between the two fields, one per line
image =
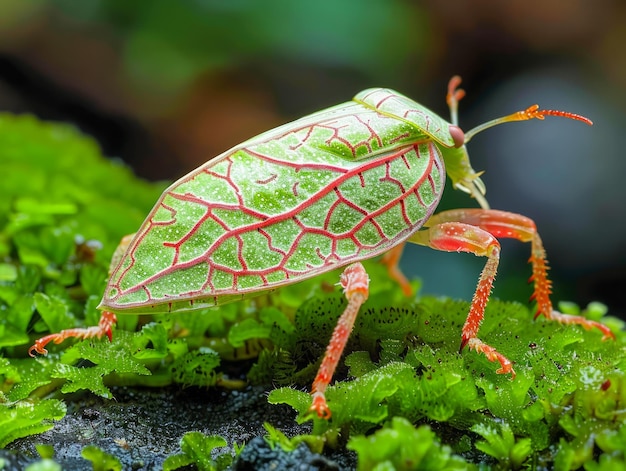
x=338 y=186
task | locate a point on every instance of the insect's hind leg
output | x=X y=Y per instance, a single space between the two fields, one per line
x=104 y=327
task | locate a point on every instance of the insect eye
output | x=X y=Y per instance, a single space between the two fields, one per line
x=458 y=136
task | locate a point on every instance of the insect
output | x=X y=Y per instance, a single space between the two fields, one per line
x=348 y=183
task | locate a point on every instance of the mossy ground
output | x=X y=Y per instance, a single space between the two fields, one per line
x=404 y=397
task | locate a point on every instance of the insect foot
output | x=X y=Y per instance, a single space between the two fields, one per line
x=580 y=320
x=104 y=327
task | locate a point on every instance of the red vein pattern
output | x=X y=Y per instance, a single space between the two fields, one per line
x=283 y=207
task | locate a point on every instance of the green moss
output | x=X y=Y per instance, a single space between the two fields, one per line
x=196 y=449
x=400 y=446
x=403 y=396
x=566 y=394
x=100 y=460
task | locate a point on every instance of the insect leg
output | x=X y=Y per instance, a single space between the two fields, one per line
x=391 y=260
x=461 y=237
x=355 y=283
x=515 y=226
x=107 y=320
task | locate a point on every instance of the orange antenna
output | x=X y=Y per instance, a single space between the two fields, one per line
x=532 y=112
x=540 y=114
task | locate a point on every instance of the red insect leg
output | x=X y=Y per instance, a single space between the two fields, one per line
x=515 y=226
x=103 y=328
x=462 y=237
x=580 y=320
x=475 y=231
x=355 y=283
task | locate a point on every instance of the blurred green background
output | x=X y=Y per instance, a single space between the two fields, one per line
x=166 y=85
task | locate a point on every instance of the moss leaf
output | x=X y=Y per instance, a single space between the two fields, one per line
x=26 y=418
x=400 y=446
x=100 y=460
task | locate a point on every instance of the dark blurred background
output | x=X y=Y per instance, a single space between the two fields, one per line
x=167 y=85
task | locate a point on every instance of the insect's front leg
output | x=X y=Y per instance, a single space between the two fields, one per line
x=462 y=237
x=515 y=226
x=355 y=283
x=476 y=231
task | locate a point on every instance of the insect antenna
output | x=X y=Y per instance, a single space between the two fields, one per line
x=532 y=112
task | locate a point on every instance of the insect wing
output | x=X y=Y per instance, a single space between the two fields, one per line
x=337 y=186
